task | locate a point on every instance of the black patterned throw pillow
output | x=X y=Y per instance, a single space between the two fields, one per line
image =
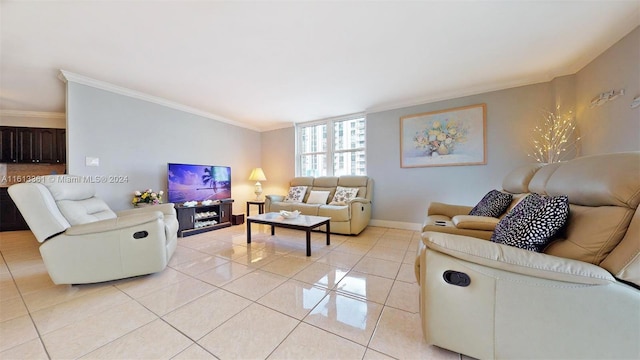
x=494 y=204
x=533 y=223
x=525 y=207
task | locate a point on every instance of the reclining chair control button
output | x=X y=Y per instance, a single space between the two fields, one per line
x=140 y=235
x=456 y=278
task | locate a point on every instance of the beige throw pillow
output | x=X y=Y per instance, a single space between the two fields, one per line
x=318 y=197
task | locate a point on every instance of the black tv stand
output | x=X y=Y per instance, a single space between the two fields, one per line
x=202 y=218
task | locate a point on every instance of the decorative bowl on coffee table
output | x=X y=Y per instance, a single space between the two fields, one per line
x=289 y=214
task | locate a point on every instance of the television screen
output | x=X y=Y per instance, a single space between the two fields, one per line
x=198 y=182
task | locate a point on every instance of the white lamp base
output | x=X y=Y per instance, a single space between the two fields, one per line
x=258 y=190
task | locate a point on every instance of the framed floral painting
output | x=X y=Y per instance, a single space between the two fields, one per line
x=444 y=138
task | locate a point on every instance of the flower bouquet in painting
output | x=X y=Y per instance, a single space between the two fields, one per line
x=440 y=137
x=444 y=137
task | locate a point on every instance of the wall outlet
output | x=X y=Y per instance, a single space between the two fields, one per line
x=91 y=161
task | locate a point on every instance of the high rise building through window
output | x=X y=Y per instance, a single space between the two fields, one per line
x=332 y=147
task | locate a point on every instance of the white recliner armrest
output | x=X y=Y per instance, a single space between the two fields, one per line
x=449 y=210
x=275 y=197
x=475 y=222
x=118 y=223
x=166 y=209
x=359 y=200
x=512 y=259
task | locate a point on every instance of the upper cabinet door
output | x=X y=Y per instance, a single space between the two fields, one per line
x=26 y=145
x=45 y=145
x=61 y=146
x=8 y=145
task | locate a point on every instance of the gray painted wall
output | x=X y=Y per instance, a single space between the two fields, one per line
x=136 y=139
x=402 y=194
x=613 y=126
x=278 y=160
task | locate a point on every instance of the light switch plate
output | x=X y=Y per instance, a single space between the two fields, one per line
x=91 y=161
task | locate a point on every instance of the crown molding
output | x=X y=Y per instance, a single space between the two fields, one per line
x=278 y=127
x=67 y=76
x=456 y=94
x=33 y=114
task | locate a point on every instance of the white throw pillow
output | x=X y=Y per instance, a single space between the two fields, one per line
x=343 y=195
x=318 y=197
x=296 y=194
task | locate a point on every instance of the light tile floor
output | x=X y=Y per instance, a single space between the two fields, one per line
x=222 y=298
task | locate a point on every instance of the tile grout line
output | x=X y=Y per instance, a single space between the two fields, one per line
x=384 y=306
x=300 y=321
x=362 y=256
x=35 y=327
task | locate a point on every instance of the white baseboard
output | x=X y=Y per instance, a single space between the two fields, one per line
x=396 y=224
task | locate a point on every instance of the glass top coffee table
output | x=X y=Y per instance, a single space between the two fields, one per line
x=302 y=222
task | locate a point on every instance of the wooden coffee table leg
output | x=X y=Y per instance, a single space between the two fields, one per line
x=308 y=242
x=248 y=231
x=328 y=233
x=273 y=230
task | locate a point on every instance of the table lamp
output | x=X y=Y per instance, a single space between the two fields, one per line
x=257 y=175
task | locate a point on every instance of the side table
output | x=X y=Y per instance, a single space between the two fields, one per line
x=255 y=202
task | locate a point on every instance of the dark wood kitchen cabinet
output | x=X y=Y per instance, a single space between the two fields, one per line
x=45 y=145
x=61 y=146
x=26 y=145
x=8 y=145
x=10 y=217
x=32 y=145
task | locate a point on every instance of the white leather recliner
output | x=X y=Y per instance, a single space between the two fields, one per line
x=578 y=299
x=83 y=241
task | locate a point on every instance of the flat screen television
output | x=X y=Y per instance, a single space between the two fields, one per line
x=187 y=182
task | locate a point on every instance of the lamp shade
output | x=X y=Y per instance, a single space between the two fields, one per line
x=257 y=175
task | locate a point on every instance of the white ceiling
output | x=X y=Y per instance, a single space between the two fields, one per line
x=268 y=64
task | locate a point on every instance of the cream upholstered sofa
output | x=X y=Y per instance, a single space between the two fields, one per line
x=350 y=218
x=455 y=219
x=579 y=298
x=83 y=241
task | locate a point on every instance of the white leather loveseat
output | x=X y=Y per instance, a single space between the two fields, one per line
x=454 y=219
x=579 y=298
x=349 y=218
x=83 y=241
